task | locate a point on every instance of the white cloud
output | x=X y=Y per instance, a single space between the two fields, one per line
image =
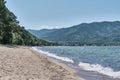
x=49 y=27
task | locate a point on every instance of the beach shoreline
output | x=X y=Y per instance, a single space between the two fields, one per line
x=79 y=71
x=23 y=63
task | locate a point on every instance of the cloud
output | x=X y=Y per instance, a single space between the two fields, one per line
x=49 y=27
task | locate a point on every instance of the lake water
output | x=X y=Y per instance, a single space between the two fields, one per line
x=101 y=59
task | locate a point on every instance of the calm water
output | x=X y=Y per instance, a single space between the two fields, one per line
x=102 y=59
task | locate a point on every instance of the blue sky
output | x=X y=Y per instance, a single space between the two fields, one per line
x=39 y=14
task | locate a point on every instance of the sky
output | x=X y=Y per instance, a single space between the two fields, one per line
x=49 y=14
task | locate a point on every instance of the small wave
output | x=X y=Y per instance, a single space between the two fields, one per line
x=53 y=55
x=100 y=69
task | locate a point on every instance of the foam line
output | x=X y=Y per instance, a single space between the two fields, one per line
x=100 y=69
x=53 y=55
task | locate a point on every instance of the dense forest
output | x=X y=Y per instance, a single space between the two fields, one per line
x=95 y=33
x=12 y=33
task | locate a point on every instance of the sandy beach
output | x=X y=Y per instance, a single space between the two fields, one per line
x=22 y=63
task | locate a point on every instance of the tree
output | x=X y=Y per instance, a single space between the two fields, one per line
x=11 y=32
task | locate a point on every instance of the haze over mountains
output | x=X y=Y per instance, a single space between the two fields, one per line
x=99 y=33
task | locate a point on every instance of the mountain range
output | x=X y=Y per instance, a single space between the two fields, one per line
x=95 y=33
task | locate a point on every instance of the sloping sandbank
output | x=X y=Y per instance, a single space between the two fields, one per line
x=21 y=63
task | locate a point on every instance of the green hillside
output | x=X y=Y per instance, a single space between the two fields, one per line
x=96 y=33
x=12 y=33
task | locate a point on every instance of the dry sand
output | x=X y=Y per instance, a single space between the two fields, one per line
x=21 y=63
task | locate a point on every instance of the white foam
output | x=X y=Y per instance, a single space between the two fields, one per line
x=100 y=69
x=53 y=55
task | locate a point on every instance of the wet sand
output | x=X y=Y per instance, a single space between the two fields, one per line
x=21 y=63
x=88 y=75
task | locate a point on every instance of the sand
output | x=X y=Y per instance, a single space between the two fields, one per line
x=21 y=63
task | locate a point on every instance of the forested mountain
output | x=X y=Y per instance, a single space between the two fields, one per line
x=98 y=33
x=12 y=33
x=42 y=33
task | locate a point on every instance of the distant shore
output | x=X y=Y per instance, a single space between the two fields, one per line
x=22 y=63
